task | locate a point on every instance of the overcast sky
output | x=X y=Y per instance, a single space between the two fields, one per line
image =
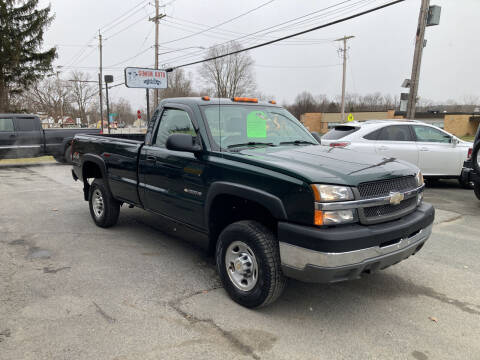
x=380 y=55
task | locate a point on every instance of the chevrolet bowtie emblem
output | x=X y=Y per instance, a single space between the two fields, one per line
x=396 y=198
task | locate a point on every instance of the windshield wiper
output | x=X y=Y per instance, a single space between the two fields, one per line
x=297 y=142
x=250 y=143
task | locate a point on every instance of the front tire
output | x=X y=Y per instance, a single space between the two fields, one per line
x=248 y=262
x=104 y=209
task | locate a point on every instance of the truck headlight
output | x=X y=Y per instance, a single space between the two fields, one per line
x=334 y=217
x=330 y=193
x=419 y=179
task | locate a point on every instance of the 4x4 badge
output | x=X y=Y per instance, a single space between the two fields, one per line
x=396 y=198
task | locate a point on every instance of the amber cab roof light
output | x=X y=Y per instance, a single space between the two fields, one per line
x=272 y=102
x=206 y=98
x=245 y=99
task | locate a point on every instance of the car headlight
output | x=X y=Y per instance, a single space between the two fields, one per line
x=335 y=217
x=419 y=179
x=330 y=193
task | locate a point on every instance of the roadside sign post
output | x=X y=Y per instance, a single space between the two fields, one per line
x=148 y=105
x=108 y=79
x=147 y=79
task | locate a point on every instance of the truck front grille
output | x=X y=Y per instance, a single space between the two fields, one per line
x=387 y=212
x=381 y=188
x=382 y=210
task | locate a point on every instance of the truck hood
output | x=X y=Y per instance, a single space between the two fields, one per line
x=317 y=163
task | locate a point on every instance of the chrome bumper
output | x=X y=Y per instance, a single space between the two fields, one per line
x=298 y=258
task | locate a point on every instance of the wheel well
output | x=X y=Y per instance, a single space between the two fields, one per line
x=227 y=209
x=89 y=170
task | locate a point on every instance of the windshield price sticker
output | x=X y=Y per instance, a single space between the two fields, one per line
x=145 y=78
x=256 y=125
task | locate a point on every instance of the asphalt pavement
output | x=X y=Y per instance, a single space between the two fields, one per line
x=144 y=289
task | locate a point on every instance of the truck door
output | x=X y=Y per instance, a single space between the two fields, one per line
x=29 y=136
x=8 y=138
x=174 y=181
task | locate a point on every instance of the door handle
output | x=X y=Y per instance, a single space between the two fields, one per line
x=423 y=149
x=151 y=158
x=383 y=148
x=13 y=135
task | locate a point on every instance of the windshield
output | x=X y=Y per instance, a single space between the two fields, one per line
x=239 y=125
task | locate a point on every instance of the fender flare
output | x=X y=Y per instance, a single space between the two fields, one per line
x=269 y=201
x=103 y=169
x=476 y=149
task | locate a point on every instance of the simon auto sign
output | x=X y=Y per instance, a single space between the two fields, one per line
x=145 y=78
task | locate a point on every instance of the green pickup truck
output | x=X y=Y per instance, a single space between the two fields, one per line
x=272 y=200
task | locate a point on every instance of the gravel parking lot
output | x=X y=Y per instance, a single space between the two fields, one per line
x=71 y=290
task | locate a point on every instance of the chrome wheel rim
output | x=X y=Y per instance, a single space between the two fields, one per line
x=241 y=266
x=97 y=203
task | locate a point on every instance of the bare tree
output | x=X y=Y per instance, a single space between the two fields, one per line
x=179 y=85
x=49 y=96
x=82 y=92
x=228 y=76
x=124 y=111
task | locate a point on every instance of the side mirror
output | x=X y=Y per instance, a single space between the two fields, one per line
x=316 y=136
x=455 y=141
x=182 y=142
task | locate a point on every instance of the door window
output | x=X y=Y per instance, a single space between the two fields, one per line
x=6 y=125
x=395 y=133
x=173 y=121
x=26 y=124
x=429 y=134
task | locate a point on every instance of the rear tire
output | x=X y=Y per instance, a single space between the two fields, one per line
x=104 y=209
x=68 y=154
x=248 y=262
x=464 y=183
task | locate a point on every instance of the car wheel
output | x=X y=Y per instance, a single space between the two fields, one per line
x=248 y=262
x=476 y=189
x=476 y=157
x=103 y=207
x=68 y=154
x=465 y=183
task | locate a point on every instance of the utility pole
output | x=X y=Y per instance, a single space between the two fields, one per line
x=100 y=76
x=156 y=19
x=344 y=51
x=417 y=59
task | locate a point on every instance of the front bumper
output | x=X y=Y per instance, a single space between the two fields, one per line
x=326 y=258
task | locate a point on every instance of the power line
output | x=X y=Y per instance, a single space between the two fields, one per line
x=340 y=10
x=296 y=67
x=292 y=35
x=218 y=25
x=110 y=25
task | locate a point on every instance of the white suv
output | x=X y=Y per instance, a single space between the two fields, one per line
x=436 y=152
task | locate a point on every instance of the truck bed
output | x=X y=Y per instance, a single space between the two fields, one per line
x=120 y=154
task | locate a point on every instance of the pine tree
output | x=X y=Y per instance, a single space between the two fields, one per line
x=22 y=62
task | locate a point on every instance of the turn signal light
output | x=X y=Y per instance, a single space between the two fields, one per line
x=272 y=102
x=318 y=217
x=206 y=98
x=245 y=99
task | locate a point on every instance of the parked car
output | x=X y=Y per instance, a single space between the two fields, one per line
x=272 y=201
x=438 y=154
x=22 y=136
x=471 y=167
